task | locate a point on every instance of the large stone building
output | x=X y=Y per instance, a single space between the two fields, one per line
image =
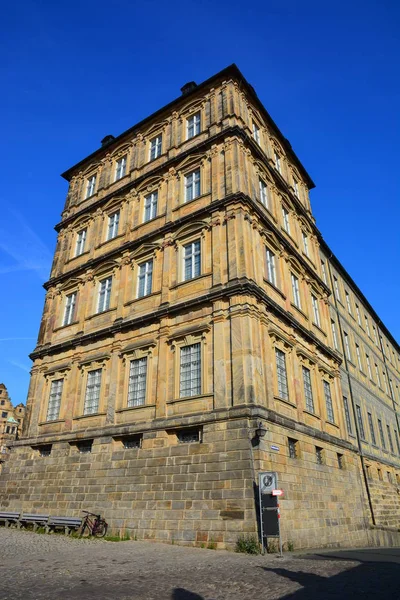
x=192 y=297
x=11 y=422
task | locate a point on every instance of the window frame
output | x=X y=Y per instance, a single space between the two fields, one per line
x=296 y=296
x=281 y=371
x=148 y=276
x=195 y=174
x=121 y=165
x=191 y=243
x=113 y=222
x=153 y=212
x=70 y=314
x=196 y=125
x=98 y=389
x=329 y=406
x=271 y=266
x=79 y=243
x=155 y=150
x=91 y=186
x=107 y=294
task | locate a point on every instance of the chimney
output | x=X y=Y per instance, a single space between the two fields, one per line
x=107 y=140
x=188 y=87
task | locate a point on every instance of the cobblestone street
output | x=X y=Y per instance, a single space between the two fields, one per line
x=51 y=566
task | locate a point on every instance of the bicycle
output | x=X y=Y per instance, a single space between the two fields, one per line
x=96 y=527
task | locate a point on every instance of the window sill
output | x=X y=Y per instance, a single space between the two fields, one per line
x=65 y=326
x=98 y=414
x=120 y=235
x=289 y=236
x=299 y=310
x=50 y=422
x=149 y=221
x=103 y=312
x=333 y=424
x=128 y=408
x=311 y=414
x=186 y=202
x=285 y=401
x=77 y=256
x=153 y=160
x=319 y=329
x=268 y=210
x=203 y=275
x=274 y=287
x=141 y=298
x=186 y=398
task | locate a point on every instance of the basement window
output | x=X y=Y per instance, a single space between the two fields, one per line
x=189 y=436
x=44 y=450
x=132 y=441
x=340 y=461
x=84 y=447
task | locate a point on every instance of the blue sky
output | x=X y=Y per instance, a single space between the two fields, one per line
x=72 y=72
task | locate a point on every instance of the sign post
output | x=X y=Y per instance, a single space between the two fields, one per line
x=269 y=507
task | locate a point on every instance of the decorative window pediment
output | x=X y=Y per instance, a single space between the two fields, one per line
x=193 y=160
x=190 y=228
x=121 y=150
x=105 y=267
x=149 y=184
x=143 y=250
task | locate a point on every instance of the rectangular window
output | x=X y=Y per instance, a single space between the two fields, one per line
x=189 y=436
x=92 y=395
x=80 y=242
x=385 y=380
x=145 y=279
x=193 y=125
x=271 y=268
x=256 y=133
x=319 y=454
x=359 y=357
x=293 y=448
x=305 y=243
x=381 y=434
x=90 y=186
x=286 y=222
x=396 y=435
x=335 y=342
x=323 y=270
x=371 y=429
x=389 y=476
x=53 y=409
x=367 y=325
x=389 y=433
x=296 y=291
x=150 y=206
x=340 y=461
x=190 y=371
x=348 y=302
x=4 y=415
x=296 y=187
x=380 y=477
x=155 y=147
x=137 y=382
x=308 y=390
x=315 y=307
x=191 y=260
x=263 y=192
x=104 y=295
x=368 y=366
x=113 y=224
x=84 y=447
x=328 y=401
x=278 y=163
x=283 y=390
x=375 y=336
x=132 y=441
x=360 y=422
x=358 y=315
x=120 y=168
x=336 y=286
x=192 y=185
x=347 y=345
x=69 y=312
x=45 y=450
x=378 y=379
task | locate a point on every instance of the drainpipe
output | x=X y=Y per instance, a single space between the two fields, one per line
x=364 y=471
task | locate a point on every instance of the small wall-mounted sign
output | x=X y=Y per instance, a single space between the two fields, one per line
x=277 y=492
x=274 y=447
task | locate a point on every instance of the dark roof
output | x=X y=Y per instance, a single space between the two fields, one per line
x=231 y=71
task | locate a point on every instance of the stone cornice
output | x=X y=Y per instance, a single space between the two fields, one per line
x=239 y=286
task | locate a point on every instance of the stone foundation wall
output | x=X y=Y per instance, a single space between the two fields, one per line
x=196 y=493
x=385 y=498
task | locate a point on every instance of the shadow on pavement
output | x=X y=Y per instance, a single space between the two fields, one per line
x=182 y=594
x=371 y=579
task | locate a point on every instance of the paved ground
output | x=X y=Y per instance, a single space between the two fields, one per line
x=44 y=567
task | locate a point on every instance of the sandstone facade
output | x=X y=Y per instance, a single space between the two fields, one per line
x=192 y=297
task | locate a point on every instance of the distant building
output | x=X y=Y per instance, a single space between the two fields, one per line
x=11 y=421
x=191 y=298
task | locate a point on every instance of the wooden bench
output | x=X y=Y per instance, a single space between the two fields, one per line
x=9 y=518
x=66 y=523
x=35 y=520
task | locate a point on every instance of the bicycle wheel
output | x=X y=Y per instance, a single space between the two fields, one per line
x=84 y=530
x=100 y=529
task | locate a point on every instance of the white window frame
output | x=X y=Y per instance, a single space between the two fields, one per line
x=190 y=370
x=192 y=185
x=278 y=165
x=120 y=167
x=305 y=243
x=271 y=266
x=330 y=413
x=155 y=148
x=92 y=399
x=256 y=133
x=369 y=366
x=347 y=295
x=286 y=220
x=150 y=206
x=296 y=187
x=263 y=189
x=358 y=315
x=91 y=186
x=323 y=271
x=315 y=307
x=80 y=241
x=334 y=335
x=308 y=392
x=359 y=357
x=113 y=225
x=347 y=345
x=145 y=275
x=195 y=265
x=55 y=397
x=137 y=382
x=193 y=125
x=336 y=288
x=69 y=308
x=281 y=374
x=377 y=375
x=104 y=294
x=367 y=329
x=295 y=290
